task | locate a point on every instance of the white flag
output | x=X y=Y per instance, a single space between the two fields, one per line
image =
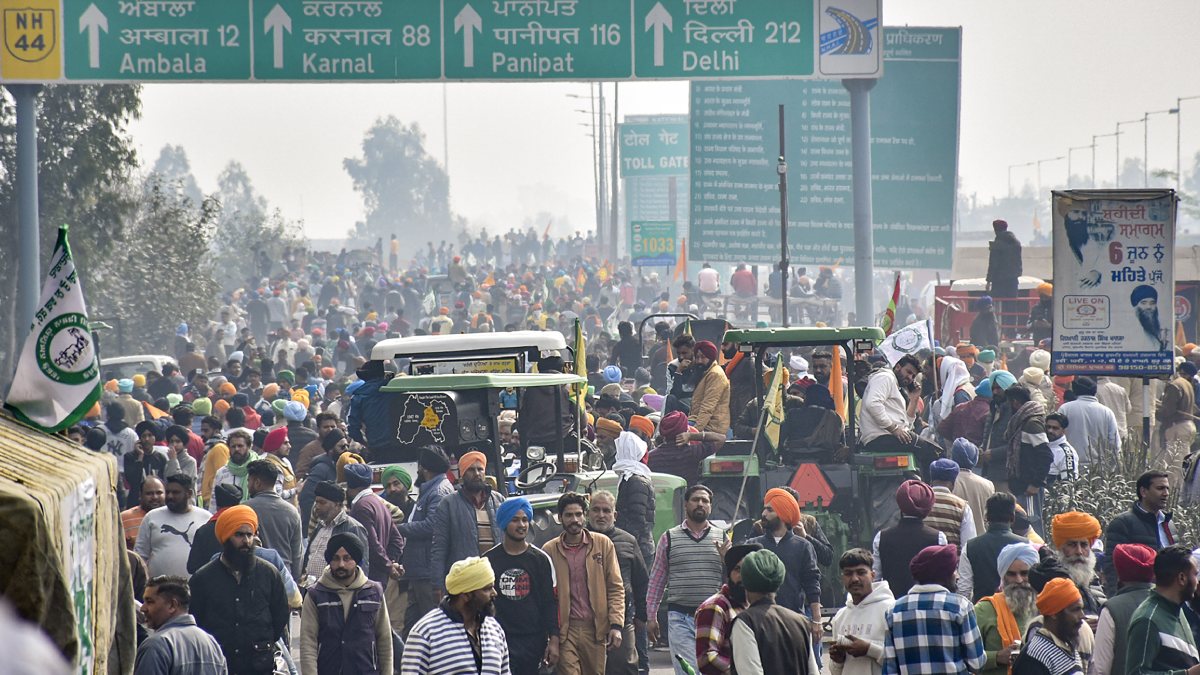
x=908 y=340
x=429 y=304
x=58 y=376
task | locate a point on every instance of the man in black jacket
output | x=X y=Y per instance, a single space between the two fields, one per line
x=1146 y=522
x=1004 y=264
x=801 y=589
x=239 y=599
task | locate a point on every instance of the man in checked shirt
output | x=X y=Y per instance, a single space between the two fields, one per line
x=714 y=617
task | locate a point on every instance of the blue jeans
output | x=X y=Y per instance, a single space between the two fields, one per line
x=681 y=632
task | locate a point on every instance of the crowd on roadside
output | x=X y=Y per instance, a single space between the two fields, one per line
x=245 y=471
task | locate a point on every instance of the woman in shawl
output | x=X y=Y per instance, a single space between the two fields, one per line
x=815 y=425
x=635 y=492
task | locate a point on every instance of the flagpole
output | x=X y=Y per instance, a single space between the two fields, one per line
x=762 y=418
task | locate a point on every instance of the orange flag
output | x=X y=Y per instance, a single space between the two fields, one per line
x=155 y=413
x=681 y=265
x=835 y=382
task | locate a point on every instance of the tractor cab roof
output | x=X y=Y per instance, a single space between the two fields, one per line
x=462 y=381
x=802 y=336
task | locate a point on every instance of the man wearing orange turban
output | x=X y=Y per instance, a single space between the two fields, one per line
x=1055 y=642
x=1073 y=534
x=220 y=599
x=801 y=589
x=466 y=523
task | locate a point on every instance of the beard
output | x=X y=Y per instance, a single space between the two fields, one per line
x=1022 y=600
x=737 y=594
x=1081 y=569
x=239 y=558
x=1149 y=320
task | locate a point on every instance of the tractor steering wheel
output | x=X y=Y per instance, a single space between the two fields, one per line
x=535 y=476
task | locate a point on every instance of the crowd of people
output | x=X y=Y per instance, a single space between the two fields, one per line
x=246 y=476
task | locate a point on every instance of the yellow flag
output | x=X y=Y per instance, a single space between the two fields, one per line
x=835 y=382
x=773 y=402
x=580 y=364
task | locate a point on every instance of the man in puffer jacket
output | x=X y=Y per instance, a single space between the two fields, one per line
x=859 y=628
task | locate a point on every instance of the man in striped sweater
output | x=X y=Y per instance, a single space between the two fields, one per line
x=688 y=566
x=460 y=635
x=951 y=514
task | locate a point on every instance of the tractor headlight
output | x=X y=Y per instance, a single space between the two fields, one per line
x=536 y=453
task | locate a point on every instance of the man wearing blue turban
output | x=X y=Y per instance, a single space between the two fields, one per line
x=525 y=604
x=1004 y=617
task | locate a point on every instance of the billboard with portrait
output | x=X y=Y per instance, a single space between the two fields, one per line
x=1114 y=282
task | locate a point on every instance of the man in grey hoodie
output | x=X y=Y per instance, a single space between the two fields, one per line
x=859 y=627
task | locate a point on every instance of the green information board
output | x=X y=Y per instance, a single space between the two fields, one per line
x=652 y=243
x=347 y=40
x=654 y=148
x=157 y=41
x=51 y=41
x=914 y=117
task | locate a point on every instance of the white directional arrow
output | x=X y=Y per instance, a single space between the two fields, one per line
x=468 y=21
x=658 y=18
x=278 y=20
x=93 y=21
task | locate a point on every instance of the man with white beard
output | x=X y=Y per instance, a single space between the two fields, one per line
x=1004 y=617
x=1074 y=533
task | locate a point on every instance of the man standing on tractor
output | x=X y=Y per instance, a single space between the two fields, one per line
x=688 y=565
x=889 y=406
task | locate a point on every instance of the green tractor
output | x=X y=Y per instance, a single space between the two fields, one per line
x=849 y=492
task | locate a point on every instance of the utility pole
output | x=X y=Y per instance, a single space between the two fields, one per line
x=614 y=213
x=600 y=231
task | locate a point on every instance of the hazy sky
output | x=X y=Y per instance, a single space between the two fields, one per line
x=1039 y=76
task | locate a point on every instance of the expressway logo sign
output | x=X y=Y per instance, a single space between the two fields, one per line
x=85 y=41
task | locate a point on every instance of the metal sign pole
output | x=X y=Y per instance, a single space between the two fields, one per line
x=29 y=278
x=783 y=220
x=864 y=240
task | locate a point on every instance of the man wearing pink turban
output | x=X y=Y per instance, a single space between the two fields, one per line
x=678 y=452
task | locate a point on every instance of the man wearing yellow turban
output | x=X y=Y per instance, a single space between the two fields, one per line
x=1073 y=534
x=225 y=587
x=455 y=626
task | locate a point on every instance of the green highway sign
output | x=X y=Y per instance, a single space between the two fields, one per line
x=48 y=41
x=730 y=38
x=652 y=243
x=654 y=148
x=347 y=40
x=914 y=153
x=153 y=40
x=536 y=40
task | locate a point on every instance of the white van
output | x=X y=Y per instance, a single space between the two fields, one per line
x=511 y=352
x=119 y=367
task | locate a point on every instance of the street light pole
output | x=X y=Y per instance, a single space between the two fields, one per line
x=1117 y=183
x=1010 y=168
x=1039 y=163
x=1178 y=140
x=1094 y=137
x=1146 y=141
x=1071 y=151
